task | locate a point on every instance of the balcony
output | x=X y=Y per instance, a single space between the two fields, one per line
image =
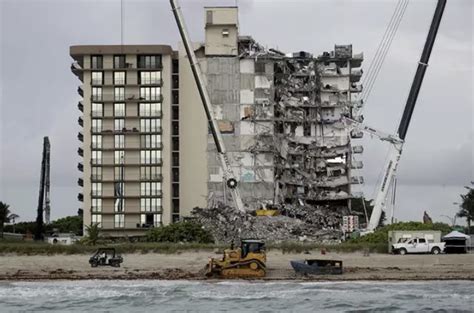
x=357 y=165
x=128 y=131
x=357 y=59
x=80 y=91
x=80 y=106
x=80 y=166
x=357 y=149
x=80 y=151
x=158 y=194
x=157 y=162
x=80 y=136
x=80 y=197
x=157 y=114
x=356 y=74
x=80 y=182
x=76 y=68
x=357 y=180
x=80 y=121
x=357 y=134
x=356 y=88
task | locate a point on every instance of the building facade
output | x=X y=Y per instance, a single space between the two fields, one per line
x=149 y=158
x=281 y=118
x=128 y=120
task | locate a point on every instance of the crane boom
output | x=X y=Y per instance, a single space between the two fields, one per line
x=43 y=198
x=396 y=148
x=216 y=134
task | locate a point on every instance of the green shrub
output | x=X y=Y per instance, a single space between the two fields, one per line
x=180 y=232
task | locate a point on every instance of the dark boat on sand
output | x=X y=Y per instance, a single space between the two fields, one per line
x=317 y=267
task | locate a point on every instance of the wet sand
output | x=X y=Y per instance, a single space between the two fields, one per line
x=189 y=265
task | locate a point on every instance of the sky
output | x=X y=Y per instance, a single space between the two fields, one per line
x=38 y=92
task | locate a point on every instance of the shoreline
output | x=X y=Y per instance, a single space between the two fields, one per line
x=189 y=266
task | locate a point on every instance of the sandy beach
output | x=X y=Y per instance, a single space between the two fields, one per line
x=189 y=265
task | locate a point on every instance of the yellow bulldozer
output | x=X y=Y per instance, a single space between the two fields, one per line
x=248 y=261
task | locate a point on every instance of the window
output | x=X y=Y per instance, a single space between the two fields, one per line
x=259 y=67
x=150 y=157
x=150 y=141
x=421 y=240
x=175 y=96
x=175 y=66
x=97 y=78
x=96 y=61
x=119 y=93
x=119 y=124
x=119 y=61
x=175 y=113
x=175 y=128
x=96 y=173
x=96 y=157
x=150 y=204
x=96 y=125
x=150 y=78
x=119 y=157
x=175 y=190
x=150 y=189
x=97 y=189
x=119 y=173
x=97 y=93
x=149 y=61
x=96 y=205
x=119 y=205
x=119 y=141
x=119 y=221
x=119 y=109
x=97 y=219
x=97 y=109
x=175 y=205
x=148 y=220
x=119 y=192
x=96 y=141
x=175 y=159
x=150 y=93
x=150 y=109
x=175 y=174
x=150 y=172
x=119 y=78
x=175 y=82
x=175 y=143
x=150 y=125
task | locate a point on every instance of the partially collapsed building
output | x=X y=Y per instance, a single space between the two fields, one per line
x=280 y=116
x=147 y=158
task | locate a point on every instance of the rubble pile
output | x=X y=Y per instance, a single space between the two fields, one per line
x=227 y=225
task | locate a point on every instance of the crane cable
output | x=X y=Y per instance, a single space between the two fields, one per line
x=379 y=47
x=376 y=61
x=384 y=48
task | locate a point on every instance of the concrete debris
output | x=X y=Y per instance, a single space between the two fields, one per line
x=313 y=223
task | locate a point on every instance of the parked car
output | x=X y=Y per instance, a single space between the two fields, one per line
x=418 y=245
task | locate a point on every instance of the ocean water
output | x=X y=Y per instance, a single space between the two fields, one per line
x=235 y=296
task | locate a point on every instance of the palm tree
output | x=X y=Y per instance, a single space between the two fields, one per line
x=93 y=234
x=466 y=208
x=5 y=216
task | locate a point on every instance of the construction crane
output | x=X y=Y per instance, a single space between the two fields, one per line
x=229 y=176
x=43 y=199
x=397 y=141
